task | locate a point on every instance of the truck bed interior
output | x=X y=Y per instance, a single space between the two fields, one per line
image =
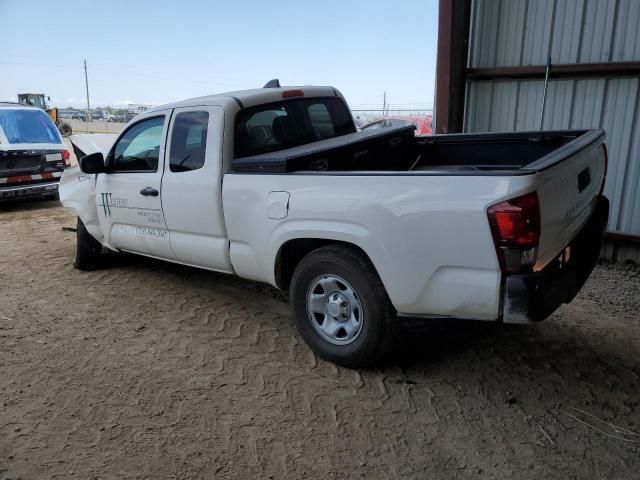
x=398 y=150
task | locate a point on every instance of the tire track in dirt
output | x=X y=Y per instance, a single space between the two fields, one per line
x=152 y=370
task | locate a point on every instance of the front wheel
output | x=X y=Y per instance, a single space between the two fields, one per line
x=340 y=306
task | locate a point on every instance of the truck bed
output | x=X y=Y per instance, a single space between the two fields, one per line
x=398 y=150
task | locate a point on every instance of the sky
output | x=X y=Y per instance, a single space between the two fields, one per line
x=155 y=52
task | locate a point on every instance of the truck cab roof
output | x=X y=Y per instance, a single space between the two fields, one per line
x=247 y=98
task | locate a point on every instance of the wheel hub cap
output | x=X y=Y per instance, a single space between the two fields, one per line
x=338 y=306
x=334 y=309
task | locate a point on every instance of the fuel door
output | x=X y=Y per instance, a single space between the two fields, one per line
x=278 y=205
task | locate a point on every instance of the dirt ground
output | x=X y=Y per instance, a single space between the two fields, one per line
x=153 y=370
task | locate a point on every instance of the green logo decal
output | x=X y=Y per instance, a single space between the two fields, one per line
x=109 y=202
x=106 y=199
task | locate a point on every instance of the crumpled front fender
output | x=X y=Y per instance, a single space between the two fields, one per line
x=77 y=192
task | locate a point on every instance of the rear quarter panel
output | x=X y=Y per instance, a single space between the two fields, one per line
x=427 y=236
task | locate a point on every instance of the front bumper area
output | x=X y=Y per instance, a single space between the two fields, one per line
x=29 y=191
x=533 y=297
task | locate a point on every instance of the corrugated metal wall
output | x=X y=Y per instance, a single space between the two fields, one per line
x=524 y=32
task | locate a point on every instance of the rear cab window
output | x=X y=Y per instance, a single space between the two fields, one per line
x=188 y=141
x=289 y=123
x=26 y=125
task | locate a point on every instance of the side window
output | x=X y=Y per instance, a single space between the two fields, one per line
x=139 y=148
x=188 y=141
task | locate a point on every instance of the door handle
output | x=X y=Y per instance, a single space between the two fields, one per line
x=149 y=192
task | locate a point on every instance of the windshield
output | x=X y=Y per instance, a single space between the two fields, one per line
x=286 y=124
x=32 y=99
x=28 y=126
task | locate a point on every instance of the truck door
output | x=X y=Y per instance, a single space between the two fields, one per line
x=192 y=188
x=128 y=196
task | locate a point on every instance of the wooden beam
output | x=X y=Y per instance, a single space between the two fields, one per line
x=453 y=45
x=622 y=237
x=534 y=72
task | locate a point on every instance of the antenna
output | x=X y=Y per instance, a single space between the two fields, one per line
x=86 y=81
x=275 y=83
x=544 y=91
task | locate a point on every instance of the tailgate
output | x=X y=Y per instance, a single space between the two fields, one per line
x=571 y=178
x=18 y=166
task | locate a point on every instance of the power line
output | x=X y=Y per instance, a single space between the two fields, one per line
x=24 y=64
x=126 y=70
x=161 y=77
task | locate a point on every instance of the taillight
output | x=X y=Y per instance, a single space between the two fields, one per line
x=292 y=93
x=606 y=167
x=66 y=158
x=515 y=226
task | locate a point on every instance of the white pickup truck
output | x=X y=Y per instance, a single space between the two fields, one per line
x=277 y=185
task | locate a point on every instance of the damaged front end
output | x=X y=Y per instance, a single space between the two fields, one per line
x=77 y=189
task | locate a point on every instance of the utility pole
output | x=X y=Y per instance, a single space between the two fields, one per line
x=384 y=104
x=86 y=82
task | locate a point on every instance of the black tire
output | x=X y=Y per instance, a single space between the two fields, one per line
x=65 y=129
x=87 y=249
x=378 y=319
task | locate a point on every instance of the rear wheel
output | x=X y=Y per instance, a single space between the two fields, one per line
x=340 y=306
x=87 y=249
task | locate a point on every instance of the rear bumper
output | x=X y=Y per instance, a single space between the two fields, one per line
x=28 y=191
x=533 y=297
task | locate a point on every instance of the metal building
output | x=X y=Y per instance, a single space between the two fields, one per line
x=492 y=57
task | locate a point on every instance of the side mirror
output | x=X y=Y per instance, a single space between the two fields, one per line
x=93 y=163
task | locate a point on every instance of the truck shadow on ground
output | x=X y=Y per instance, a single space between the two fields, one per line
x=546 y=375
x=565 y=349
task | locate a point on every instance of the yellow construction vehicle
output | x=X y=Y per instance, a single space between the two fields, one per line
x=38 y=100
